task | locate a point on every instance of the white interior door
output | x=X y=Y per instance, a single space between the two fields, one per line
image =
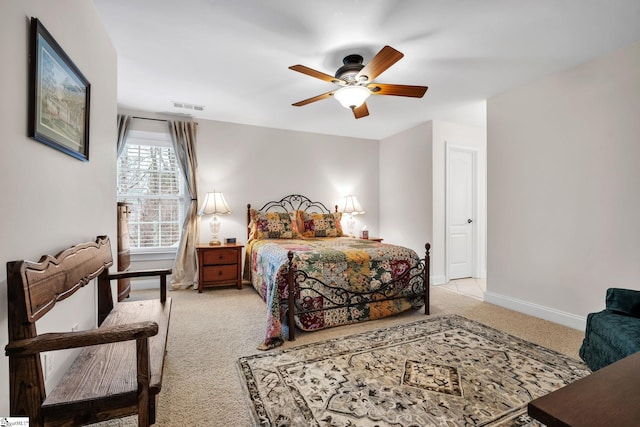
x=461 y=208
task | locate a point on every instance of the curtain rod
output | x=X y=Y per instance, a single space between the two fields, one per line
x=149 y=118
x=157 y=120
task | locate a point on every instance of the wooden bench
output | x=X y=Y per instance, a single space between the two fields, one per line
x=119 y=369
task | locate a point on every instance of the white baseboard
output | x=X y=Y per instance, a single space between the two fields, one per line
x=546 y=313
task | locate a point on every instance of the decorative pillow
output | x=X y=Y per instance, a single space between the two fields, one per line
x=319 y=224
x=273 y=225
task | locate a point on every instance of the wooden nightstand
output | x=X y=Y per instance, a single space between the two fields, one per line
x=219 y=265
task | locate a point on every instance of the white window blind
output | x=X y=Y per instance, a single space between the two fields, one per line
x=149 y=179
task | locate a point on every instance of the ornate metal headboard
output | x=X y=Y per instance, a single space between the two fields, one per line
x=291 y=203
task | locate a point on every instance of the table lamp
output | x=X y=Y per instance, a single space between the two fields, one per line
x=214 y=204
x=350 y=205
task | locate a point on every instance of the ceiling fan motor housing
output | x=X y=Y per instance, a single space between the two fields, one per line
x=352 y=66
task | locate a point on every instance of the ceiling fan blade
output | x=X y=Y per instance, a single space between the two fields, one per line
x=361 y=111
x=317 y=74
x=383 y=60
x=314 y=99
x=398 y=90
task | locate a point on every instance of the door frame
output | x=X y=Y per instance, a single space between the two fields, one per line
x=475 y=252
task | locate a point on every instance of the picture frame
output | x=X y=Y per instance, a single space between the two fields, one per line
x=59 y=96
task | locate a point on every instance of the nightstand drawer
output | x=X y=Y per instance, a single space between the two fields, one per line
x=220 y=256
x=216 y=273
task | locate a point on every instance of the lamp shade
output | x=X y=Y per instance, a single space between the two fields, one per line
x=352 y=96
x=351 y=205
x=214 y=203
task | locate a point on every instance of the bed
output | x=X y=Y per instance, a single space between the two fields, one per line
x=312 y=277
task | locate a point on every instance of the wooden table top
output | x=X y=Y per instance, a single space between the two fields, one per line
x=608 y=397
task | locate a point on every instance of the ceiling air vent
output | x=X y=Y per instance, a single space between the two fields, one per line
x=187 y=106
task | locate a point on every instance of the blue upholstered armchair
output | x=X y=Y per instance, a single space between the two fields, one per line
x=614 y=333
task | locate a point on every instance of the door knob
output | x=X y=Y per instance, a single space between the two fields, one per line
x=469 y=221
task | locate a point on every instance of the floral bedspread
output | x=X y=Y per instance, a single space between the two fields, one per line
x=348 y=263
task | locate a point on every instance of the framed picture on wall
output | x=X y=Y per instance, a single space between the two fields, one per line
x=59 y=96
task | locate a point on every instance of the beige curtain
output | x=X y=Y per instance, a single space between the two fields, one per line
x=123 y=129
x=185 y=269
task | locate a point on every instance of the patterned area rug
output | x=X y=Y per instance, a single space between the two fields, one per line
x=443 y=371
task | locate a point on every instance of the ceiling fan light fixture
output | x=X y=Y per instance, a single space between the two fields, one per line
x=352 y=96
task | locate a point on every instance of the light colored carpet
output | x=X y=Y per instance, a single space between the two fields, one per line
x=208 y=332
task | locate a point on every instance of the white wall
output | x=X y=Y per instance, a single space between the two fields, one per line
x=252 y=164
x=51 y=200
x=406 y=187
x=412 y=187
x=563 y=202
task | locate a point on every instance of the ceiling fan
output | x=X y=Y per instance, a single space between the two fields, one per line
x=357 y=83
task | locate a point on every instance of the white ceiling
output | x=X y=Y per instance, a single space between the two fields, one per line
x=232 y=56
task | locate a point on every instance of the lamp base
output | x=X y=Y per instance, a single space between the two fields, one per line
x=350 y=224
x=215 y=229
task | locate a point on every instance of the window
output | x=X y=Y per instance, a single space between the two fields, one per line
x=150 y=179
